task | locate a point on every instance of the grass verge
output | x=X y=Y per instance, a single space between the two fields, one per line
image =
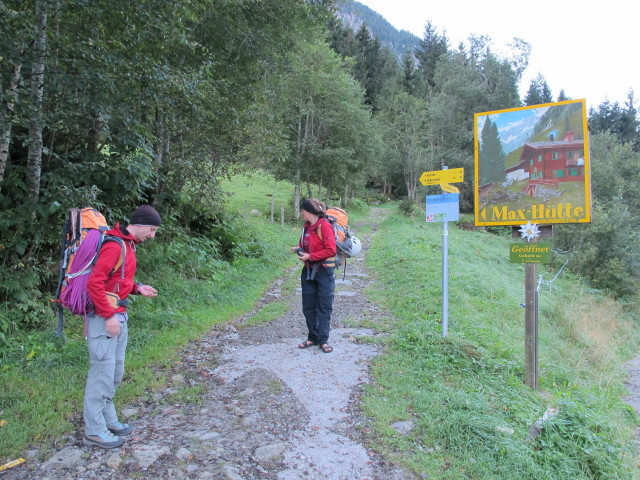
x=464 y=395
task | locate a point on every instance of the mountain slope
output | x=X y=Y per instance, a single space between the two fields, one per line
x=354 y=14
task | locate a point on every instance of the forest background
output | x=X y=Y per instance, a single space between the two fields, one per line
x=115 y=104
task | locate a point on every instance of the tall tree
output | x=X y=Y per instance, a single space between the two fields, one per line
x=408 y=81
x=432 y=47
x=539 y=92
x=403 y=122
x=371 y=66
x=620 y=121
x=36 y=124
x=323 y=108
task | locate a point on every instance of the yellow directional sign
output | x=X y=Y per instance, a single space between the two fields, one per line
x=449 y=188
x=454 y=175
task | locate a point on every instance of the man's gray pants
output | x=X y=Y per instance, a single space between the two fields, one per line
x=106 y=358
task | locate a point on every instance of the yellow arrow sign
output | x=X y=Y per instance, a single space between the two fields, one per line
x=454 y=175
x=449 y=188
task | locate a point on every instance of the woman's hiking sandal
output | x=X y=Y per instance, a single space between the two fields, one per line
x=326 y=348
x=307 y=344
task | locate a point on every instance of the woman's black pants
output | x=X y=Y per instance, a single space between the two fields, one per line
x=317 y=302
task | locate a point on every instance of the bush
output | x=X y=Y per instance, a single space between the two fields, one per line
x=604 y=251
x=407 y=207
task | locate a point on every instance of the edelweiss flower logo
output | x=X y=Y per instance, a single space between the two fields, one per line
x=529 y=231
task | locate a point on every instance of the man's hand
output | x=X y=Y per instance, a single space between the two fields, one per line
x=147 y=291
x=112 y=325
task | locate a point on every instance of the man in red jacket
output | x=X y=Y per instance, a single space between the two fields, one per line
x=108 y=286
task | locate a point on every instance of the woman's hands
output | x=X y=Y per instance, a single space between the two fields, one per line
x=301 y=254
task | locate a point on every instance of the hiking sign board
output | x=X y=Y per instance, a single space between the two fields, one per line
x=436 y=177
x=443 y=208
x=532 y=165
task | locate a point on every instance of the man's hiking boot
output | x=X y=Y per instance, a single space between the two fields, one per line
x=103 y=440
x=120 y=429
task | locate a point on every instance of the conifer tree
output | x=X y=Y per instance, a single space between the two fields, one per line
x=432 y=47
x=622 y=122
x=539 y=92
x=409 y=73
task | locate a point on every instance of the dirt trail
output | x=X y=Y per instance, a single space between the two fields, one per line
x=246 y=403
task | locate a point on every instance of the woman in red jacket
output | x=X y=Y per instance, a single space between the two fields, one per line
x=317 y=249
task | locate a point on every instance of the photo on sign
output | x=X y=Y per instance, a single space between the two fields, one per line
x=532 y=164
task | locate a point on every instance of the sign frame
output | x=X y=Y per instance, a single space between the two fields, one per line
x=543 y=176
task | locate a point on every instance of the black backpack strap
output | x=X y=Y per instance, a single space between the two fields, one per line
x=64 y=261
x=312 y=269
x=344 y=273
x=118 y=240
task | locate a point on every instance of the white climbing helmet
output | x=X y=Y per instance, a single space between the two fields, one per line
x=351 y=246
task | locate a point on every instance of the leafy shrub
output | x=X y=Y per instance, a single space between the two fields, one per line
x=183 y=255
x=356 y=205
x=236 y=238
x=407 y=207
x=605 y=251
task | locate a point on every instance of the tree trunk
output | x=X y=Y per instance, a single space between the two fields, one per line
x=6 y=118
x=328 y=193
x=34 y=159
x=296 y=195
x=301 y=141
x=161 y=146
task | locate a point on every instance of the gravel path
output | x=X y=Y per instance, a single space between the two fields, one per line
x=245 y=403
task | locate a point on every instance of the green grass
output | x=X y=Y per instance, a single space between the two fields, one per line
x=252 y=191
x=465 y=393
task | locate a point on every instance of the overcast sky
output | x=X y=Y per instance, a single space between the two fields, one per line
x=586 y=48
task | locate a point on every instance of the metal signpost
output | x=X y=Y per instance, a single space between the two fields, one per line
x=443 y=208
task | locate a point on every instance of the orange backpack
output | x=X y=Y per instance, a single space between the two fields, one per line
x=340 y=222
x=80 y=222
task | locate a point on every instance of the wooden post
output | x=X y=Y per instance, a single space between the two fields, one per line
x=273 y=197
x=531 y=311
x=282 y=214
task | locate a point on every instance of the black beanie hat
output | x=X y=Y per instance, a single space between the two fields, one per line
x=145 y=215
